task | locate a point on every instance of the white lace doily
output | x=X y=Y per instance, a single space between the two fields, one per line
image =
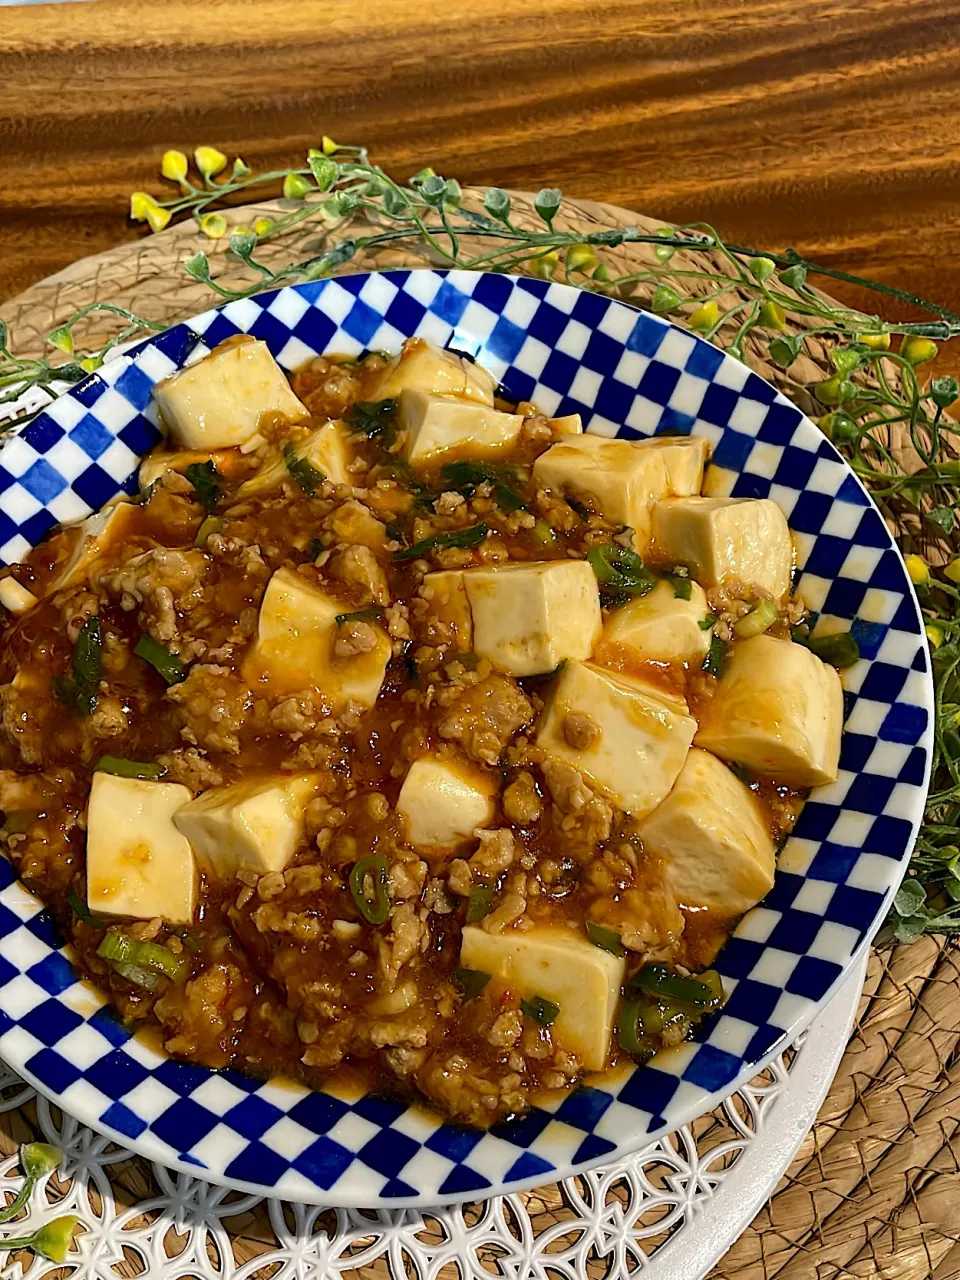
x=670 y=1211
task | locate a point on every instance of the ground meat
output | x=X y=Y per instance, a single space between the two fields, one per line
x=161 y=582
x=189 y=767
x=108 y=719
x=496 y=853
x=19 y=726
x=579 y=807
x=486 y=716
x=201 y=1014
x=580 y=730
x=359 y=567
x=354 y=637
x=521 y=800
x=407 y=932
x=300 y=713
x=213 y=703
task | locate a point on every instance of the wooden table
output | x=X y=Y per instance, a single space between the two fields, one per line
x=830 y=127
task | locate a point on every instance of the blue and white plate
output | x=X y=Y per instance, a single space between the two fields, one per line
x=628 y=374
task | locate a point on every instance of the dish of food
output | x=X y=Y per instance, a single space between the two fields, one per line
x=403 y=741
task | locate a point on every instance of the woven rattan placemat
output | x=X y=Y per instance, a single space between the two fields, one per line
x=875 y=1188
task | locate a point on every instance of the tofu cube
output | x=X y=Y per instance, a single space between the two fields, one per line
x=570 y=425
x=619 y=479
x=16 y=599
x=661 y=627
x=447 y=596
x=685 y=458
x=437 y=425
x=294 y=648
x=561 y=966
x=157 y=464
x=442 y=802
x=256 y=823
x=639 y=740
x=778 y=710
x=219 y=401
x=98 y=532
x=743 y=543
x=325 y=449
x=527 y=618
x=139 y=864
x=711 y=836
x=420 y=367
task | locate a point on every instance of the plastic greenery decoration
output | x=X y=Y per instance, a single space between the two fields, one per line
x=736 y=292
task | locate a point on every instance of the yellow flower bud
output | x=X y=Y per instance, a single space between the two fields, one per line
x=917 y=350
x=918 y=570
x=328 y=145
x=296 y=187
x=875 y=341
x=581 y=257
x=213 y=225
x=952 y=571
x=210 y=161
x=771 y=315
x=263 y=226
x=90 y=364
x=140 y=202
x=157 y=218
x=934 y=634
x=705 y=316
x=174 y=166
x=545 y=265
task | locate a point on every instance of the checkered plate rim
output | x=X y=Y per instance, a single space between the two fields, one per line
x=627 y=373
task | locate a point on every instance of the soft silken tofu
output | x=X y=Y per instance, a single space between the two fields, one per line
x=685 y=458
x=447 y=596
x=632 y=739
x=570 y=424
x=528 y=618
x=561 y=966
x=437 y=425
x=156 y=465
x=294 y=649
x=619 y=479
x=97 y=533
x=420 y=367
x=662 y=627
x=778 y=710
x=256 y=823
x=711 y=836
x=139 y=864
x=15 y=598
x=219 y=401
x=740 y=542
x=325 y=449
x=443 y=801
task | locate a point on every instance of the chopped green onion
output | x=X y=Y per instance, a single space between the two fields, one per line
x=122 y=768
x=465 y=476
x=480 y=902
x=368 y=888
x=361 y=615
x=79 y=909
x=682 y=587
x=632 y=1040
x=133 y=959
x=314 y=547
x=540 y=1011
x=604 y=938
x=372 y=417
x=705 y=624
x=839 y=650
x=305 y=473
x=657 y=980
x=471 y=537
x=619 y=570
x=210 y=526
x=471 y=982
x=161 y=659
x=79 y=690
x=742 y=772
x=544 y=533
x=205 y=479
x=760 y=618
x=716 y=657
x=582 y=511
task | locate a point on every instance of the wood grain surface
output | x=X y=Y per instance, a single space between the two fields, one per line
x=834 y=128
